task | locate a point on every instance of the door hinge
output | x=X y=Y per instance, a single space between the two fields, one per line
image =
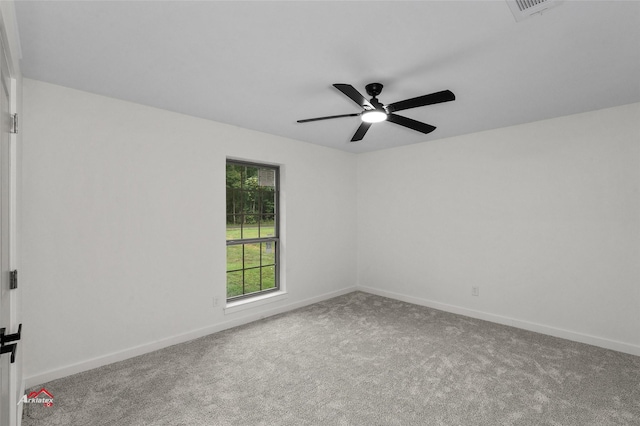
x=13 y=279
x=14 y=123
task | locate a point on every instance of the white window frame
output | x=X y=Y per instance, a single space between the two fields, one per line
x=266 y=295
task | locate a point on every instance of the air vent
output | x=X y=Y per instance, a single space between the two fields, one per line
x=523 y=9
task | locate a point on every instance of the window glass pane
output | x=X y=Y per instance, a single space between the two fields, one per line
x=267 y=200
x=251 y=202
x=268 y=277
x=234 y=201
x=234 y=284
x=268 y=253
x=252 y=280
x=251 y=228
x=234 y=229
x=234 y=175
x=267 y=177
x=267 y=226
x=235 y=216
x=234 y=258
x=251 y=255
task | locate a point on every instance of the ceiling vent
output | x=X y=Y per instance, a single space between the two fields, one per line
x=523 y=9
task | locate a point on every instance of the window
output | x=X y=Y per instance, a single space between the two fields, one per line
x=252 y=229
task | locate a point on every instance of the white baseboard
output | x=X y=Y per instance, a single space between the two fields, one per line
x=248 y=317
x=525 y=325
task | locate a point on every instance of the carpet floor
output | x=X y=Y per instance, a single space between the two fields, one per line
x=358 y=359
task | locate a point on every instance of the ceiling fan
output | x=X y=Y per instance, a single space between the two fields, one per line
x=373 y=111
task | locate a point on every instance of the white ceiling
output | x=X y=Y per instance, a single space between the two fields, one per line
x=263 y=65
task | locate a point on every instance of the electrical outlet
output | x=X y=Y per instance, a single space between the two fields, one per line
x=475 y=291
x=215 y=302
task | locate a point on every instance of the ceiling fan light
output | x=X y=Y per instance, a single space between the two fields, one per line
x=373 y=116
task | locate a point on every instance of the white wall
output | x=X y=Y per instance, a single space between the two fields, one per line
x=543 y=217
x=124 y=227
x=123 y=237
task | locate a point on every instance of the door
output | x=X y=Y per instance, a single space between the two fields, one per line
x=8 y=297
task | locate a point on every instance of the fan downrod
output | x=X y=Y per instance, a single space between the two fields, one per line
x=373 y=89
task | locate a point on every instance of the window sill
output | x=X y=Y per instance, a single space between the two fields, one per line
x=241 y=305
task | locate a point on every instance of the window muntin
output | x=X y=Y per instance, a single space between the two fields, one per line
x=252 y=229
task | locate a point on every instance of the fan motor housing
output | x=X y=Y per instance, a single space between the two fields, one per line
x=374 y=89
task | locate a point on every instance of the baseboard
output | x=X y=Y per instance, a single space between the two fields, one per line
x=248 y=317
x=525 y=325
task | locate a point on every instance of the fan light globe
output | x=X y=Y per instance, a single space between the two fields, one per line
x=373 y=116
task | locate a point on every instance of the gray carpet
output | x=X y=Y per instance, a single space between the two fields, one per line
x=357 y=359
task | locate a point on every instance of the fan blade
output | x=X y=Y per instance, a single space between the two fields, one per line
x=361 y=131
x=327 y=118
x=433 y=98
x=410 y=123
x=354 y=95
